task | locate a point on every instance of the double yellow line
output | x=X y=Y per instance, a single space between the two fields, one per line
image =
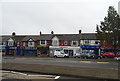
x=86 y=61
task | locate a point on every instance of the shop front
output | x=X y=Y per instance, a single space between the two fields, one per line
x=29 y=51
x=42 y=50
x=91 y=49
x=3 y=51
x=67 y=49
x=11 y=51
x=109 y=49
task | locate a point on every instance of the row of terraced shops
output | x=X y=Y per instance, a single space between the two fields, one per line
x=43 y=44
x=24 y=51
x=47 y=50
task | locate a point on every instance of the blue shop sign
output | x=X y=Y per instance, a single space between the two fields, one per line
x=11 y=47
x=90 y=47
x=33 y=48
x=2 y=48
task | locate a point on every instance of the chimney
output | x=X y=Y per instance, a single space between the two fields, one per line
x=40 y=33
x=80 y=31
x=13 y=34
x=52 y=32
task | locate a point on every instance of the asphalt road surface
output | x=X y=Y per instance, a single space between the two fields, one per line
x=70 y=63
x=23 y=76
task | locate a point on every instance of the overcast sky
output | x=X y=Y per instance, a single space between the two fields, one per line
x=60 y=16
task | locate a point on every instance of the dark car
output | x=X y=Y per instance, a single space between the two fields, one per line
x=90 y=56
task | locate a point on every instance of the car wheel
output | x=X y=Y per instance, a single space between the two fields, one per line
x=85 y=57
x=105 y=56
x=55 y=56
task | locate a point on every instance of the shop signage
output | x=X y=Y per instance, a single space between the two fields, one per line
x=2 y=47
x=30 y=48
x=11 y=47
x=90 y=47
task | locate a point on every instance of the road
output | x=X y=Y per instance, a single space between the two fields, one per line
x=70 y=63
x=22 y=76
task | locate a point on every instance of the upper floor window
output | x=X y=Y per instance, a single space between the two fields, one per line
x=55 y=41
x=10 y=42
x=86 y=41
x=74 y=43
x=18 y=43
x=30 y=43
x=42 y=42
x=24 y=44
x=65 y=42
x=4 y=43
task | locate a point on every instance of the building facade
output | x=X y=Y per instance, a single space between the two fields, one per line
x=46 y=44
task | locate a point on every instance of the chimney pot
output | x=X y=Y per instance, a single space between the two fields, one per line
x=80 y=31
x=52 y=32
x=40 y=33
x=13 y=34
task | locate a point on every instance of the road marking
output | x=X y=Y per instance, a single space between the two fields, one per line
x=18 y=73
x=103 y=62
x=57 y=77
x=50 y=76
x=43 y=75
x=86 y=61
x=5 y=71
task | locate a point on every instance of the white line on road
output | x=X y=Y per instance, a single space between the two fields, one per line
x=4 y=71
x=43 y=75
x=18 y=73
x=57 y=77
x=52 y=76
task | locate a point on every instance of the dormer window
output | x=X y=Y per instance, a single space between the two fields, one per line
x=55 y=41
x=10 y=42
x=30 y=43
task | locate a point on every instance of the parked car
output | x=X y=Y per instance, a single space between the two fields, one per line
x=90 y=56
x=110 y=54
x=59 y=53
x=77 y=55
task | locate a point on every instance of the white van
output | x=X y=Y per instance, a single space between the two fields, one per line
x=60 y=53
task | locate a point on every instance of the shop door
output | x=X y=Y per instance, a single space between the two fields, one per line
x=30 y=53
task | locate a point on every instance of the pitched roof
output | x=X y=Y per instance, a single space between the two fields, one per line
x=34 y=37
x=5 y=38
x=67 y=37
x=88 y=36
